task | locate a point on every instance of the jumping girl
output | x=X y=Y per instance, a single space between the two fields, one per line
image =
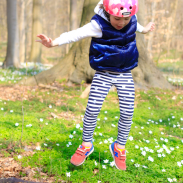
x=113 y=54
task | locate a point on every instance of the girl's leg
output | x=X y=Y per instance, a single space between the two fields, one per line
x=126 y=94
x=99 y=89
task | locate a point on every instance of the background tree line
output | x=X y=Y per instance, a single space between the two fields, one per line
x=55 y=17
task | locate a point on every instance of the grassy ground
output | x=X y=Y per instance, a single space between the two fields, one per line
x=154 y=147
x=157 y=130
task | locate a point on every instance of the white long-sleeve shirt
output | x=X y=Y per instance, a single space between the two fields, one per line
x=91 y=29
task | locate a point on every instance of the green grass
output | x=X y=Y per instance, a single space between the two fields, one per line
x=174 y=68
x=55 y=160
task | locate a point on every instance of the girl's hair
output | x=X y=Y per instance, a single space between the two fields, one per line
x=107 y=15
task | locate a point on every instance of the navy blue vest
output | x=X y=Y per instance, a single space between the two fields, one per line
x=116 y=50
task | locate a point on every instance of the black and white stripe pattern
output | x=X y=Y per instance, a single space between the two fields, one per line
x=101 y=84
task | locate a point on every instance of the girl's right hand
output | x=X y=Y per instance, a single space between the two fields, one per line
x=45 y=40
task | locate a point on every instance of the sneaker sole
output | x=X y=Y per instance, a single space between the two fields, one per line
x=114 y=158
x=85 y=157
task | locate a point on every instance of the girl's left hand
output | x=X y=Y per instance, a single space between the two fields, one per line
x=149 y=27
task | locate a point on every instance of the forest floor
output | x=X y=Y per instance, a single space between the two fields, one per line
x=51 y=119
x=41 y=127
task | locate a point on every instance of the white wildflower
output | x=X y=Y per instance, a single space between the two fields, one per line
x=166 y=140
x=113 y=125
x=38 y=148
x=143 y=153
x=179 y=164
x=77 y=125
x=150 y=159
x=105 y=141
x=106 y=161
x=130 y=138
x=112 y=163
x=68 y=174
x=150 y=150
x=137 y=165
x=170 y=180
x=104 y=167
x=71 y=136
x=146 y=148
x=144 y=166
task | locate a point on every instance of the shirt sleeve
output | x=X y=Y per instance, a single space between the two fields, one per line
x=91 y=29
x=140 y=28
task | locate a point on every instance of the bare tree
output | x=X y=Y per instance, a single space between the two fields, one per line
x=35 y=55
x=12 y=55
x=22 y=31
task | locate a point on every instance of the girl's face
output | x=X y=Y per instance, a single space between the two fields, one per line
x=119 y=22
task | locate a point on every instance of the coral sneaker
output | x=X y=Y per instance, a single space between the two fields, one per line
x=80 y=155
x=118 y=156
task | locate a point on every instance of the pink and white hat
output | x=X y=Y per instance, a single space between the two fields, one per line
x=121 y=8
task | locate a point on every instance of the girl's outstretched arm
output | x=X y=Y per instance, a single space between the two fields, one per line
x=149 y=28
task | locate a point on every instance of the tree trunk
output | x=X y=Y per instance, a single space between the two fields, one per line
x=22 y=32
x=75 y=66
x=12 y=55
x=35 y=55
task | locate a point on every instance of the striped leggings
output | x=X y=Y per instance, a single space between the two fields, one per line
x=101 y=84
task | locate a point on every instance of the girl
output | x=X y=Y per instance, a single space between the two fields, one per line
x=113 y=54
